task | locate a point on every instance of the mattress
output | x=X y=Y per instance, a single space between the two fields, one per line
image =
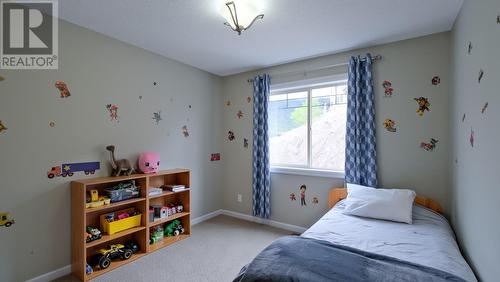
x=429 y=241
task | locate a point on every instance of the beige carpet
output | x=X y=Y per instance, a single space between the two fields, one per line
x=216 y=251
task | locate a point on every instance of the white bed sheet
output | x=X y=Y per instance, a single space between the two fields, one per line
x=429 y=241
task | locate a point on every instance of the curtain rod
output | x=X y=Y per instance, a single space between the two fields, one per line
x=374 y=59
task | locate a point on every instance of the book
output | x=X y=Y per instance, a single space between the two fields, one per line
x=174 y=187
x=155 y=191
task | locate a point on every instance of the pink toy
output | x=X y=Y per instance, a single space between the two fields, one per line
x=123 y=216
x=149 y=162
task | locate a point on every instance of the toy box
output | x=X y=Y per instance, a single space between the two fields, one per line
x=112 y=227
x=122 y=191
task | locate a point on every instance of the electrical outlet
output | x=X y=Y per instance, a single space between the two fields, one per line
x=240 y=198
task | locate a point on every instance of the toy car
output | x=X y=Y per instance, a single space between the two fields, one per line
x=104 y=256
x=178 y=230
x=156 y=235
x=174 y=228
x=133 y=246
x=92 y=234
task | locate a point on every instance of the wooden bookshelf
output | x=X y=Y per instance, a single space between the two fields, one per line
x=81 y=252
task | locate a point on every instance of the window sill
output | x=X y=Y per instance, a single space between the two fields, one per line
x=308 y=172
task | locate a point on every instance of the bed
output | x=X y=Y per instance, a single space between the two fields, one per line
x=342 y=247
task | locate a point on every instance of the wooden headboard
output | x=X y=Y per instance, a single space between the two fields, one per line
x=337 y=194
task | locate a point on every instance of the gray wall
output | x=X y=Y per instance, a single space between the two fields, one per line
x=475 y=175
x=99 y=71
x=410 y=66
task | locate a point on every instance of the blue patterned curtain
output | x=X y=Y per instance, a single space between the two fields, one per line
x=360 y=153
x=261 y=175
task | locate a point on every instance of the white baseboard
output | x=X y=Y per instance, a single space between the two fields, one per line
x=205 y=217
x=277 y=224
x=65 y=270
x=49 y=276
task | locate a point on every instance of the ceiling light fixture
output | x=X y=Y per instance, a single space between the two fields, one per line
x=244 y=18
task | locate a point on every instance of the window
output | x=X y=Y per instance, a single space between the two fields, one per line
x=307 y=127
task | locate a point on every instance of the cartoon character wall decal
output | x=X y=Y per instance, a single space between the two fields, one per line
x=245 y=143
x=387 y=88
x=292 y=197
x=113 y=112
x=239 y=114
x=63 y=89
x=484 y=108
x=471 y=138
x=390 y=125
x=480 y=76
x=303 y=189
x=436 y=80
x=230 y=135
x=249 y=99
x=429 y=146
x=185 y=131
x=228 y=103
x=463 y=118
x=423 y=105
x=155 y=83
x=469 y=48
x=315 y=200
x=215 y=157
x=6 y=220
x=52 y=124
x=2 y=127
x=69 y=169
x=157 y=117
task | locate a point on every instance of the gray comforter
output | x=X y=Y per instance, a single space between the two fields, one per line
x=294 y=258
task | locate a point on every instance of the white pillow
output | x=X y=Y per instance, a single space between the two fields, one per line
x=386 y=204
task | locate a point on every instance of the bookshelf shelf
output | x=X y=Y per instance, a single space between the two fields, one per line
x=170 y=218
x=167 y=241
x=114 y=205
x=167 y=193
x=107 y=238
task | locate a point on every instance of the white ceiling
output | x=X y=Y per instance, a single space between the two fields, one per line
x=192 y=31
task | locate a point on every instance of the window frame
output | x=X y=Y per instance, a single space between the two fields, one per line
x=307 y=86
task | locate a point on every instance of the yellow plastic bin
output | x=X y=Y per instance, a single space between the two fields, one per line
x=122 y=224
